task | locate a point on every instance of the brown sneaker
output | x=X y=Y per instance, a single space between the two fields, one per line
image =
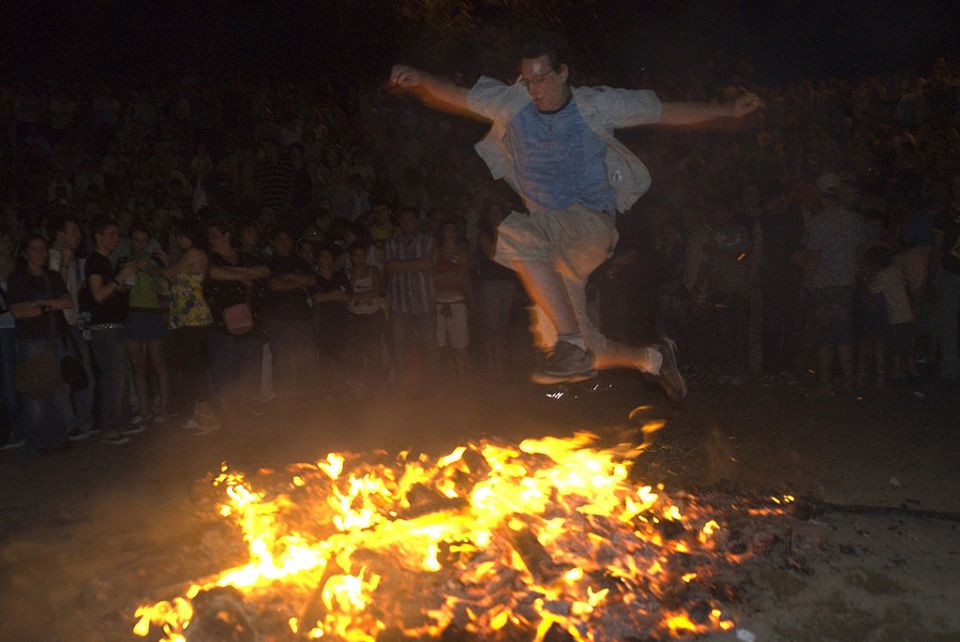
x=670 y=379
x=567 y=364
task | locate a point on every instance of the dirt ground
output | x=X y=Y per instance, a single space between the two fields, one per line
x=87 y=534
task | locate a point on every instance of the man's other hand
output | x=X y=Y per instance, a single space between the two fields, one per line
x=404 y=76
x=747 y=104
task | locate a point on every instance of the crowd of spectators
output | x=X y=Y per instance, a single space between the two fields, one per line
x=268 y=240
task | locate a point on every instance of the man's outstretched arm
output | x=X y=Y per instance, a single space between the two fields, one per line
x=433 y=91
x=696 y=113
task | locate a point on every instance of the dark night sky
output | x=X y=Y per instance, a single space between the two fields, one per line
x=785 y=38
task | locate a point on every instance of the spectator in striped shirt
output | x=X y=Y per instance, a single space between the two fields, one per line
x=272 y=179
x=410 y=293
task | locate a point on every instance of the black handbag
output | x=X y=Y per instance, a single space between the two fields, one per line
x=71 y=368
x=73 y=373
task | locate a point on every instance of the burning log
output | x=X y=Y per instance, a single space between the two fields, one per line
x=425 y=501
x=535 y=557
x=220 y=616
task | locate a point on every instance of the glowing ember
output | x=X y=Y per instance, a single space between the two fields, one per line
x=493 y=541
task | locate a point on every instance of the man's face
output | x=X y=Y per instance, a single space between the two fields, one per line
x=282 y=243
x=71 y=235
x=36 y=253
x=547 y=86
x=109 y=238
x=139 y=241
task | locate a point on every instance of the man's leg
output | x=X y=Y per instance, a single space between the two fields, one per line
x=83 y=399
x=659 y=359
x=426 y=324
x=574 y=268
x=546 y=287
x=401 y=328
x=108 y=351
x=949 y=305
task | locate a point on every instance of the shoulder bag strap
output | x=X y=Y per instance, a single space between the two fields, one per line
x=52 y=322
x=52 y=334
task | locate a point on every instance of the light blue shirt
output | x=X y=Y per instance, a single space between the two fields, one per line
x=604 y=109
x=559 y=161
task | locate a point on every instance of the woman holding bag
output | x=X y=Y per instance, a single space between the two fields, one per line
x=37 y=298
x=233 y=290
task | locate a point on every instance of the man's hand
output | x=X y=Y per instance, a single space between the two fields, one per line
x=126 y=272
x=747 y=104
x=406 y=77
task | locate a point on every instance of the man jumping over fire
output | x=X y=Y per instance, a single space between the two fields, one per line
x=554 y=145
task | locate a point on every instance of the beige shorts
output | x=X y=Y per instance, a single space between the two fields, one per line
x=452 y=327
x=575 y=241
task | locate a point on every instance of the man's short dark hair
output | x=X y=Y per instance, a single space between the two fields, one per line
x=546 y=45
x=62 y=222
x=100 y=223
x=190 y=228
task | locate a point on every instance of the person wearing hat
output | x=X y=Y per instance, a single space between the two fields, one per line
x=835 y=239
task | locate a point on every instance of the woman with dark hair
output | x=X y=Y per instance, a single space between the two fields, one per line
x=37 y=298
x=330 y=297
x=233 y=290
x=146 y=328
x=189 y=321
x=249 y=238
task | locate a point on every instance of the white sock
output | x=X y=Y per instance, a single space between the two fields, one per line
x=575 y=339
x=652 y=360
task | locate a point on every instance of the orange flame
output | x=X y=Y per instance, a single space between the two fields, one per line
x=550 y=533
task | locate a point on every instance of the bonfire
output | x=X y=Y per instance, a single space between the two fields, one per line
x=551 y=539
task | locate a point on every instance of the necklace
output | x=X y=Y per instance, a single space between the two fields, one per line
x=546 y=118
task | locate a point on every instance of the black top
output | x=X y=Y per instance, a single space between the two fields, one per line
x=220 y=295
x=291 y=304
x=23 y=286
x=948 y=222
x=782 y=236
x=114 y=308
x=330 y=317
x=337 y=281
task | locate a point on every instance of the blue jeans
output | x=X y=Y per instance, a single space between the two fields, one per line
x=44 y=421
x=8 y=375
x=108 y=352
x=83 y=399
